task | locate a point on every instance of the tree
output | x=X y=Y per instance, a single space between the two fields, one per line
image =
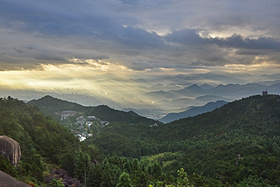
x=156 y=170
x=108 y=176
x=95 y=175
x=7 y=167
x=67 y=163
x=275 y=149
x=127 y=165
x=56 y=183
x=124 y=180
x=182 y=178
x=81 y=165
x=135 y=165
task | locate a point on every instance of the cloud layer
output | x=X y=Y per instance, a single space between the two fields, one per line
x=139 y=34
x=118 y=50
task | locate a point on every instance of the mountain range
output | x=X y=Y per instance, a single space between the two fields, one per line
x=157 y=96
x=228 y=91
x=192 y=111
x=196 y=95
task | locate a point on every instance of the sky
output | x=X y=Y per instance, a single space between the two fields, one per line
x=116 y=49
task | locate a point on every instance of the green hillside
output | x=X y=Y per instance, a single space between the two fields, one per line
x=237 y=143
x=46 y=144
x=49 y=105
x=43 y=141
x=256 y=115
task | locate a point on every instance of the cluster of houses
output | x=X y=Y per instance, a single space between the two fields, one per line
x=82 y=124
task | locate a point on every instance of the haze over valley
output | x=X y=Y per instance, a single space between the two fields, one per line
x=157 y=97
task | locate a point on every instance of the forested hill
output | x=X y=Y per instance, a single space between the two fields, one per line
x=258 y=115
x=238 y=143
x=43 y=141
x=255 y=115
x=52 y=106
x=49 y=105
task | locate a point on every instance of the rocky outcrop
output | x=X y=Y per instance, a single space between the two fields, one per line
x=10 y=149
x=8 y=181
x=61 y=174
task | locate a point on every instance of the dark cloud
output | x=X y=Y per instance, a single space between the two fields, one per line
x=129 y=32
x=186 y=37
x=63 y=18
x=39 y=53
x=191 y=37
x=237 y=41
x=13 y=63
x=221 y=51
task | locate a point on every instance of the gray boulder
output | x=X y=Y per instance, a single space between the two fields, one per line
x=10 y=149
x=8 y=181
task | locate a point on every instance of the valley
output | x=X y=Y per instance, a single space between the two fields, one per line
x=157 y=97
x=236 y=144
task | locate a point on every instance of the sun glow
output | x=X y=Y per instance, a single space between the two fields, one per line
x=99 y=65
x=78 y=74
x=264 y=67
x=91 y=77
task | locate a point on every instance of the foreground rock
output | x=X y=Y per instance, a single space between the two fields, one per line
x=8 y=181
x=10 y=149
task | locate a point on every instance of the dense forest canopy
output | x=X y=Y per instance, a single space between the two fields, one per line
x=235 y=145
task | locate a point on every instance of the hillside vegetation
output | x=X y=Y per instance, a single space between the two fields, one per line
x=237 y=144
x=234 y=144
x=43 y=141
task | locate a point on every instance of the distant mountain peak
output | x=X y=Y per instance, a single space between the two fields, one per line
x=193 y=111
x=206 y=86
x=194 y=86
x=47 y=97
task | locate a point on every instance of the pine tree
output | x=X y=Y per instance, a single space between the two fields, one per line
x=56 y=183
x=95 y=175
x=156 y=170
x=182 y=178
x=124 y=180
x=81 y=165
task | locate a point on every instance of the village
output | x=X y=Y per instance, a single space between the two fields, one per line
x=81 y=126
